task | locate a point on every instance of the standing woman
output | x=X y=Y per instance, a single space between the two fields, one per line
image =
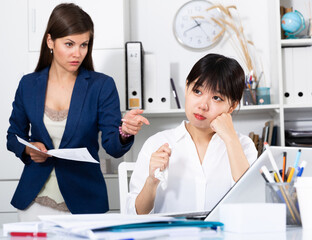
x=65 y=104
x=204 y=156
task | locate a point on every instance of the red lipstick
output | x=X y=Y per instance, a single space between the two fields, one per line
x=199 y=117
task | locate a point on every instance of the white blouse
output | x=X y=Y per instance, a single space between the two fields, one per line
x=191 y=186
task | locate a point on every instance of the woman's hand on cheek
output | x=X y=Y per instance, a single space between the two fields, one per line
x=223 y=126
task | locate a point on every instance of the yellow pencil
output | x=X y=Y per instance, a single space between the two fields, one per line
x=276 y=177
x=291 y=174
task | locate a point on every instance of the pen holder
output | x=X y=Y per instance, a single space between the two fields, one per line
x=249 y=97
x=284 y=193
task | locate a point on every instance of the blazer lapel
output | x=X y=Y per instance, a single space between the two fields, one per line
x=75 y=108
x=40 y=89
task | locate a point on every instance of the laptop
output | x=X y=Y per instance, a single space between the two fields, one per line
x=250 y=188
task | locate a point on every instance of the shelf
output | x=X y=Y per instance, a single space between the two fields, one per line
x=110 y=175
x=258 y=109
x=164 y=113
x=296 y=42
x=297 y=106
x=181 y=112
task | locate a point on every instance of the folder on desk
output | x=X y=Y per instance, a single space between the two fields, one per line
x=134 y=75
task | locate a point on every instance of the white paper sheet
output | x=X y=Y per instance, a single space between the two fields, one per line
x=75 y=154
x=21 y=227
x=82 y=222
x=162 y=176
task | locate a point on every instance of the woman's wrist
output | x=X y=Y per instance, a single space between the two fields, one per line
x=125 y=135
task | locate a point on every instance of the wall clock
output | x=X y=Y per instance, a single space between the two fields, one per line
x=193 y=26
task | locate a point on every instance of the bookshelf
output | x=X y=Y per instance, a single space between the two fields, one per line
x=296 y=104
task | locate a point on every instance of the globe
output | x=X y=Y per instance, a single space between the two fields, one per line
x=293 y=22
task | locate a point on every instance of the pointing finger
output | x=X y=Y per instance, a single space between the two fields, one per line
x=136 y=111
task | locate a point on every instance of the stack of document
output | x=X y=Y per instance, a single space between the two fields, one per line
x=117 y=226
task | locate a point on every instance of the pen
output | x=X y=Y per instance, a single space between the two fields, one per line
x=302 y=167
x=297 y=159
x=263 y=175
x=28 y=234
x=280 y=191
x=175 y=94
x=284 y=165
x=267 y=174
x=273 y=163
x=276 y=177
x=291 y=174
x=259 y=78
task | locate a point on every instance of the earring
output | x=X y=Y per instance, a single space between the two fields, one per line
x=51 y=51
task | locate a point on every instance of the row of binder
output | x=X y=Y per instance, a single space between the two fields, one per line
x=146 y=86
x=296 y=75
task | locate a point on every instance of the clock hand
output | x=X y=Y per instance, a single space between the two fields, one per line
x=190 y=28
x=199 y=25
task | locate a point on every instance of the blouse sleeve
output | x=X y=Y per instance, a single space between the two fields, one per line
x=249 y=150
x=138 y=177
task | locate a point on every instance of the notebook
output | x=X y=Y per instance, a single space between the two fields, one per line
x=250 y=188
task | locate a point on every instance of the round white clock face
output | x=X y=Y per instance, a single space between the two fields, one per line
x=193 y=26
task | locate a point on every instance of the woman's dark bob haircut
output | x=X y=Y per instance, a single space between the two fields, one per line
x=66 y=19
x=218 y=73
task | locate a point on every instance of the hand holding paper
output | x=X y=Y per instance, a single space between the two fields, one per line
x=77 y=154
x=161 y=155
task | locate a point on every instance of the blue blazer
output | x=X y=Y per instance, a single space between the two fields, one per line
x=94 y=107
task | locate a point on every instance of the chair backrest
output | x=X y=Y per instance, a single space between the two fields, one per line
x=123 y=169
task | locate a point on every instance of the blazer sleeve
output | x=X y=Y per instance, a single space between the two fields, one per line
x=19 y=125
x=109 y=120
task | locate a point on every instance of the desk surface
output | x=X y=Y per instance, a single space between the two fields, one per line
x=290 y=234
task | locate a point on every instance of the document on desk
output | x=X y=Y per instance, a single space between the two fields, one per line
x=118 y=226
x=81 y=222
x=74 y=154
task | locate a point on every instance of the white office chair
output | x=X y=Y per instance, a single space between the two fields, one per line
x=123 y=169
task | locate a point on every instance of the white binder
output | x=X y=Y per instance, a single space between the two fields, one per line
x=156 y=82
x=297 y=89
x=134 y=75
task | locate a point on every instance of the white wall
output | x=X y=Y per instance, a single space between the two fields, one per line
x=13 y=63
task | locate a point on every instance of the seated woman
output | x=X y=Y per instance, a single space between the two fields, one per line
x=203 y=157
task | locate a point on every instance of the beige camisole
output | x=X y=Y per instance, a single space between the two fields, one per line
x=50 y=194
